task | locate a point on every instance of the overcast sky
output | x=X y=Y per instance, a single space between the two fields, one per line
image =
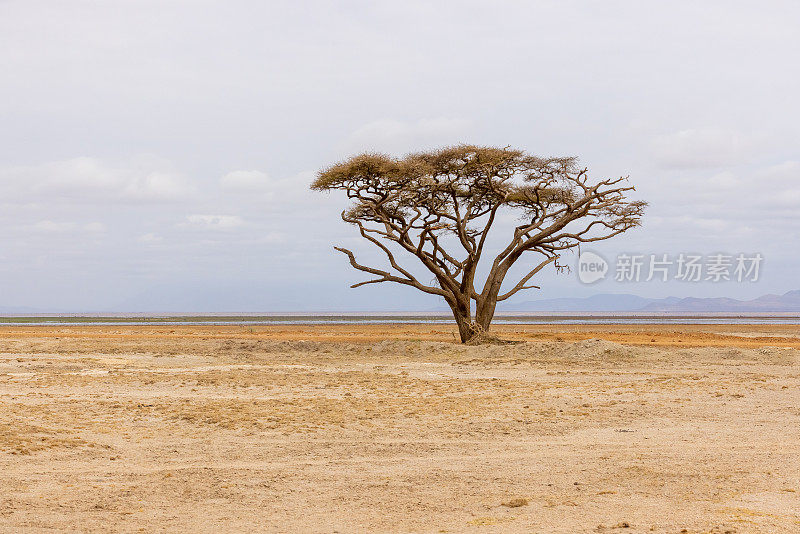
x=156 y=155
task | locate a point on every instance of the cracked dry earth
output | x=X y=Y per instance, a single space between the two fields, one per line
x=230 y=429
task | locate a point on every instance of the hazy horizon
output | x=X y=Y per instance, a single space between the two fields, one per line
x=519 y=306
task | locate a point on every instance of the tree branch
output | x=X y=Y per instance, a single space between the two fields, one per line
x=521 y=284
x=386 y=276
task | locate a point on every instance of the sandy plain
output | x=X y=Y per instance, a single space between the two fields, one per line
x=396 y=428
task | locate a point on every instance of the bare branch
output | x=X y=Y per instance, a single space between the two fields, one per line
x=521 y=284
x=386 y=277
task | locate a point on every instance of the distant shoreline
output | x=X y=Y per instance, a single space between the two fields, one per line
x=394 y=318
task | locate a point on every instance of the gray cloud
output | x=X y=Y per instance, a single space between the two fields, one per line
x=696 y=148
x=246 y=182
x=157 y=154
x=399 y=137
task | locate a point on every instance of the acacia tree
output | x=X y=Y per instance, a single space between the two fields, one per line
x=439 y=207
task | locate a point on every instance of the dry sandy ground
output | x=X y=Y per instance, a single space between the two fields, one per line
x=397 y=429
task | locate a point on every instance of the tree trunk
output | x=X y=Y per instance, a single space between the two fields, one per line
x=461 y=313
x=484 y=313
x=465 y=330
x=487 y=303
x=485 y=307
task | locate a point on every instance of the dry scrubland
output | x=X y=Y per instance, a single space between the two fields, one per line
x=396 y=428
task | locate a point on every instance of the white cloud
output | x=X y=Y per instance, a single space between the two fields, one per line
x=724 y=180
x=90 y=180
x=149 y=238
x=399 y=137
x=702 y=148
x=155 y=187
x=765 y=199
x=270 y=196
x=786 y=173
x=53 y=227
x=217 y=222
x=49 y=226
x=778 y=189
x=95 y=227
x=246 y=181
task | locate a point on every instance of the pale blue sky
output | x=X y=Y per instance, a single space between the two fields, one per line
x=155 y=155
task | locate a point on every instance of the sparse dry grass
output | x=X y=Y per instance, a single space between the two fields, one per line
x=25 y=439
x=226 y=429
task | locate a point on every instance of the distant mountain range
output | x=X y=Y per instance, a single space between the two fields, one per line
x=603 y=303
x=786 y=303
